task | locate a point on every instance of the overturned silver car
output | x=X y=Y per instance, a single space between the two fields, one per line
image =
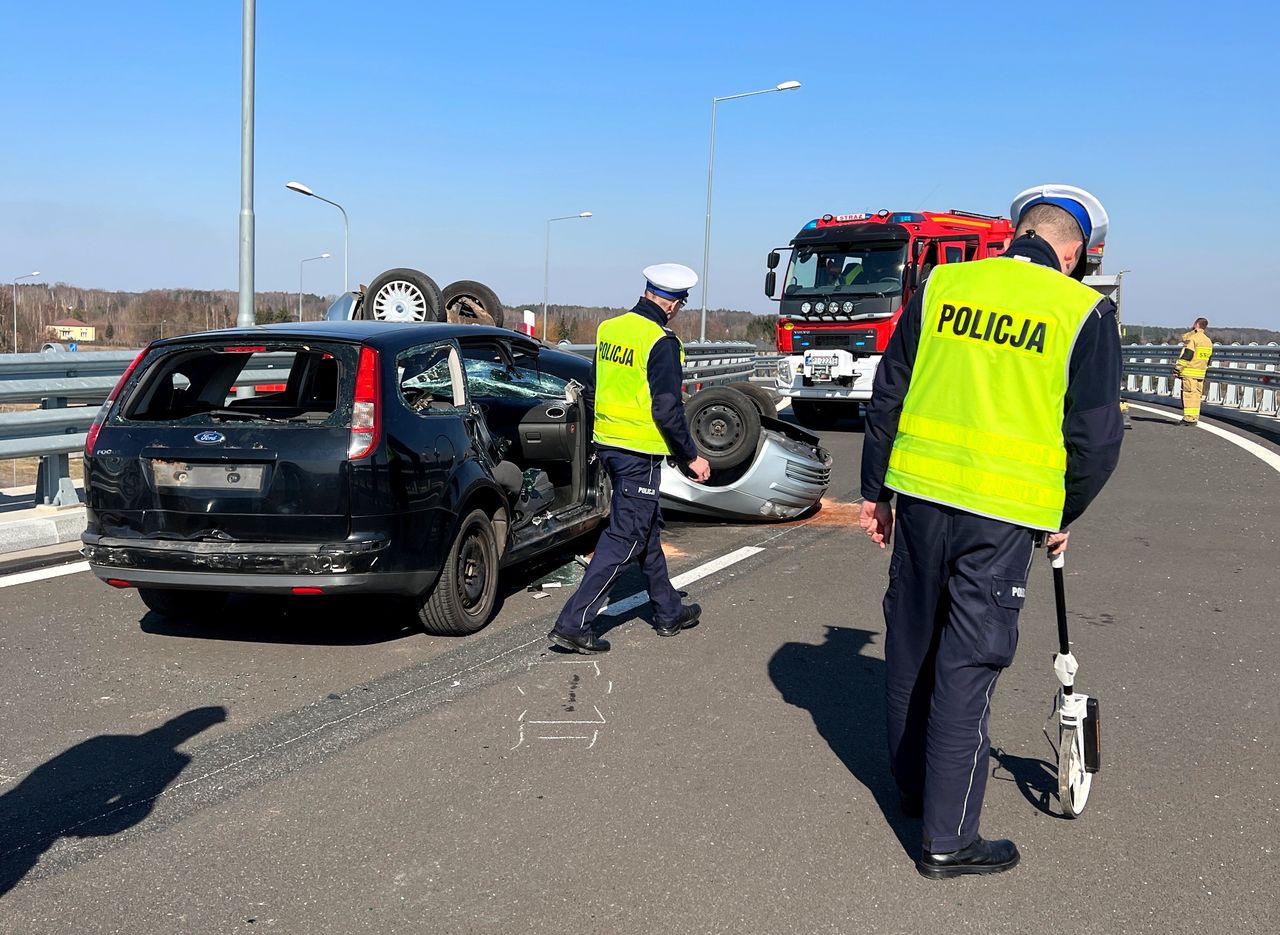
x=761 y=467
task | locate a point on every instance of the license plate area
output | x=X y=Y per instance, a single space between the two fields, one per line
x=821 y=365
x=182 y=477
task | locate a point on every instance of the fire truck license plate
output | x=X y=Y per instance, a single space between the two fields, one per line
x=821 y=366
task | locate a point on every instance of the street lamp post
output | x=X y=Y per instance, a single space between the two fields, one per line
x=711 y=162
x=303 y=190
x=17 y=280
x=546 y=264
x=323 y=256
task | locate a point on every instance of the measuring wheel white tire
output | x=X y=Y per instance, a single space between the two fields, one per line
x=1073 y=780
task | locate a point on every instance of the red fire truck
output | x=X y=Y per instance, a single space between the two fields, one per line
x=845 y=285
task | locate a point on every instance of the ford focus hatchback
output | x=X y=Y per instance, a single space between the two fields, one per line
x=339 y=457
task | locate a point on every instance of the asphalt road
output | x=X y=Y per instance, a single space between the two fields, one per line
x=313 y=767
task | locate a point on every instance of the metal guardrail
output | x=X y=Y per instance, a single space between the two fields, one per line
x=1244 y=377
x=709 y=364
x=57 y=429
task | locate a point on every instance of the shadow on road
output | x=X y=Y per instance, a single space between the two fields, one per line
x=1036 y=779
x=97 y=788
x=843 y=690
x=309 y=621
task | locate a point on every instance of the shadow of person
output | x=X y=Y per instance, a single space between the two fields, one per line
x=1037 y=780
x=843 y=691
x=97 y=788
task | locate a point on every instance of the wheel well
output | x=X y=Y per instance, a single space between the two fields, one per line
x=493 y=505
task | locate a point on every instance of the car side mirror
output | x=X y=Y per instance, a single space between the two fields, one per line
x=770 y=283
x=774 y=259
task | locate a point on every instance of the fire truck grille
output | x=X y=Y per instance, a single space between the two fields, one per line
x=860 y=341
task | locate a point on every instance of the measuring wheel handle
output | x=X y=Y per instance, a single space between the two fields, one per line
x=1078 y=723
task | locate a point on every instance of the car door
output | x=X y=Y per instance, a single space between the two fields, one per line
x=432 y=460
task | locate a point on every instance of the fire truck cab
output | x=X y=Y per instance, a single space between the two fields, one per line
x=847 y=280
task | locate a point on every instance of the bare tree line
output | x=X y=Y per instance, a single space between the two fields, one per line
x=131 y=319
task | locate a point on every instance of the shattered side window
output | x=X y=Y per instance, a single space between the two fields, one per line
x=496 y=380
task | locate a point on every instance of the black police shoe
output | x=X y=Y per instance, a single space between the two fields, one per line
x=982 y=856
x=587 y=643
x=689 y=616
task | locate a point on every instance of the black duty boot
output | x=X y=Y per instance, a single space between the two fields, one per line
x=689 y=616
x=981 y=856
x=587 y=642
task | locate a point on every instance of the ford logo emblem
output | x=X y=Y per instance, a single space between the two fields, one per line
x=210 y=438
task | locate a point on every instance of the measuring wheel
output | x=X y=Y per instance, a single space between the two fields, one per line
x=1073 y=779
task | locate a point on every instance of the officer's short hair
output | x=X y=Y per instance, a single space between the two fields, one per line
x=1201 y=323
x=1048 y=219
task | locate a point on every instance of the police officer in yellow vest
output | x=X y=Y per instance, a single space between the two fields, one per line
x=639 y=421
x=995 y=419
x=1191 y=367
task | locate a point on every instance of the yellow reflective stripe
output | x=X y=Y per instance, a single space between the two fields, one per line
x=984 y=442
x=988 y=485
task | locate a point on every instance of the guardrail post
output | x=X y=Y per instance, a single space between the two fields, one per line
x=54 y=469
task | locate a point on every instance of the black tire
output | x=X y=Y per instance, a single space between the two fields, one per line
x=472 y=303
x=820 y=415
x=725 y=425
x=183 y=605
x=766 y=405
x=402 y=295
x=463 y=598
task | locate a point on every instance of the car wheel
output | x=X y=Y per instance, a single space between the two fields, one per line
x=765 y=403
x=463 y=599
x=725 y=425
x=820 y=415
x=183 y=605
x=403 y=295
x=472 y=303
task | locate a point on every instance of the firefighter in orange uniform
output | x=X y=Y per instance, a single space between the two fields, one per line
x=1190 y=368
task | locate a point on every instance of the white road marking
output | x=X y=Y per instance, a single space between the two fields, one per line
x=43 y=574
x=695 y=574
x=1268 y=457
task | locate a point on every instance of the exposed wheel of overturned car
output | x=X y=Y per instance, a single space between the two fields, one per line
x=463 y=598
x=763 y=399
x=403 y=295
x=472 y=303
x=725 y=425
x=178 y=604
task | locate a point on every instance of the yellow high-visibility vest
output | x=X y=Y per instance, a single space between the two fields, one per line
x=624 y=405
x=981 y=425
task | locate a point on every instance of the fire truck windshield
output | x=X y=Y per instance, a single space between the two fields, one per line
x=862 y=269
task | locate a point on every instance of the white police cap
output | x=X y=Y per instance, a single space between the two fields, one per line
x=670 y=280
x=1084 y=207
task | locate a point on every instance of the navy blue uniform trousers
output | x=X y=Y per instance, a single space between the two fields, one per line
x=633 y=535
x=956 y=585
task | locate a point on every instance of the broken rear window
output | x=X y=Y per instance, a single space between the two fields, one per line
x=307 y=384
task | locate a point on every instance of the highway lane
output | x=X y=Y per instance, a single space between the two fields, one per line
x=737 y=779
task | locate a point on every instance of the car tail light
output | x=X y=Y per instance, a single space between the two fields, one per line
x=92 y=438
x=119 y=583
x=307 y=591
x=366 y=415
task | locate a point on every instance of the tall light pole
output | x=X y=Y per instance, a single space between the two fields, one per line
x=17 y=280
x=323 y=256
x=303 y=190
x=711 y=163
x=244 y=310
x=546 y=264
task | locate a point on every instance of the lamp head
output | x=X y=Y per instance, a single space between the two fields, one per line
x=299 y=188
x=788 y=86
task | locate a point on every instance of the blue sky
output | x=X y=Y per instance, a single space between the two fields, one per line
x=451 y=132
